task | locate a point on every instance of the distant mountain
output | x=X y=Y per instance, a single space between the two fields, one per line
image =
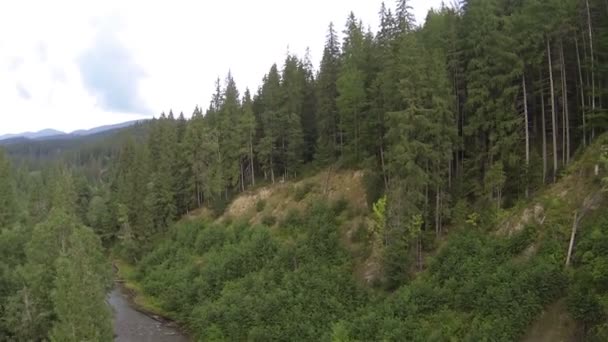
x=55 y=134
x=45 y=133
x=100 y=129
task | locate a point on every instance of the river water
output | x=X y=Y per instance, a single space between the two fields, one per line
x=131 y=325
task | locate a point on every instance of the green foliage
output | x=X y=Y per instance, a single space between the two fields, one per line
x=269 y=220
x=260 y=205
x=236 y=283
x=339 y=206
x=434 y=112
x=361 y=233
x=472 y=291
x=219 y=206
x=588 y=289
x=59 y=283
x=374 y=186
x=293 y=218
x=79 y=294
x=379 y=217
x=303 y=190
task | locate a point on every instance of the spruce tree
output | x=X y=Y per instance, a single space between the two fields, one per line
x=80 y=291
x=351 y=101
x=271 y=102
x=327 y=114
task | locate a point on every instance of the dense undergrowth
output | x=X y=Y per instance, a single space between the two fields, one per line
x=295 y=281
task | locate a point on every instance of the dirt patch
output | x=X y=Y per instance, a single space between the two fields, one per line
x=246 y=202
x=329 y=185
x=516 y=223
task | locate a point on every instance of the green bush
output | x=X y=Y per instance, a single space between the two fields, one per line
x=293 y=218
x=260 y=205
x=218 y=206
x=269 y=220
x=339 y=206
x=302 y=190
x=374 y=186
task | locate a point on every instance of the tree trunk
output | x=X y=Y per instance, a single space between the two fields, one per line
x=198 y=195
x=251 y=158
x=544 y=129
x=553 y=118
x=284 y=158
x=582 y=88
x=572 y=237
x=271 y=170
x=565 y=112
x=384 y=172
x=437 y=226
x=242 y=177
x=592 y=64
x=419 y=252
x=527 y=128
x=357 y=136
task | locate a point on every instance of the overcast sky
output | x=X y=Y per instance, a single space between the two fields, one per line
x=73 y=65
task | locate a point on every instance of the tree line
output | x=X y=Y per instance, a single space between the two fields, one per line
x=479 y=107
x=483 y=104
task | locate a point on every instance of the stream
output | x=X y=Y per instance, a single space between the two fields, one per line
x=134 y=326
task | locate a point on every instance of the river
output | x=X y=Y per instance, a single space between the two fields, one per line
x=131 y=325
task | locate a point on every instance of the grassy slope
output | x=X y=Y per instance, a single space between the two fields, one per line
x=282 y=199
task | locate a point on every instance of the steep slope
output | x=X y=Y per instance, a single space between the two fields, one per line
x=279 y=262
x=276 y=204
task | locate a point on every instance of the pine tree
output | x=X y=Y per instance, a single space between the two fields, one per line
x=291 y=136
x=271 y=101
x=309 y=115
x=492 y=128
x=230 y=139
x=247 y=126
x=327 y=113
x=161 y=195
x=406 y=22
x=79 y=293
x=351 y=101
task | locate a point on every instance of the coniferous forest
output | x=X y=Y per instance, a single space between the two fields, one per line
x=459 y=124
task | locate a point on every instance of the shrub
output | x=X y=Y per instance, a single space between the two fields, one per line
x=269 y=220
x=339 y=206
x=302 y=191
x=260 y=205
x=374 y=186
x=292 y=219
x=218 y=206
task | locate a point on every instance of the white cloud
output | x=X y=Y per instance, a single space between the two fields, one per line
x=179 y=47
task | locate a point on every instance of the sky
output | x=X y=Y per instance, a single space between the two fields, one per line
x=71 y=65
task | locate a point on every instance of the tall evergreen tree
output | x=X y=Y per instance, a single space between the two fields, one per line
x=271 y=101
x=492 y=129
x=327 y=114
x=351 y=86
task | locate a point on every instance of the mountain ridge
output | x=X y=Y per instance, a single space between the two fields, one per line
x=53 y=133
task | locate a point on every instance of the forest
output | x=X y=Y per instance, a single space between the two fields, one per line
x=483 y=110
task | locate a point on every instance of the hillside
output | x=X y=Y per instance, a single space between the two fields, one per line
x=514 y=269
x=415 y=181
